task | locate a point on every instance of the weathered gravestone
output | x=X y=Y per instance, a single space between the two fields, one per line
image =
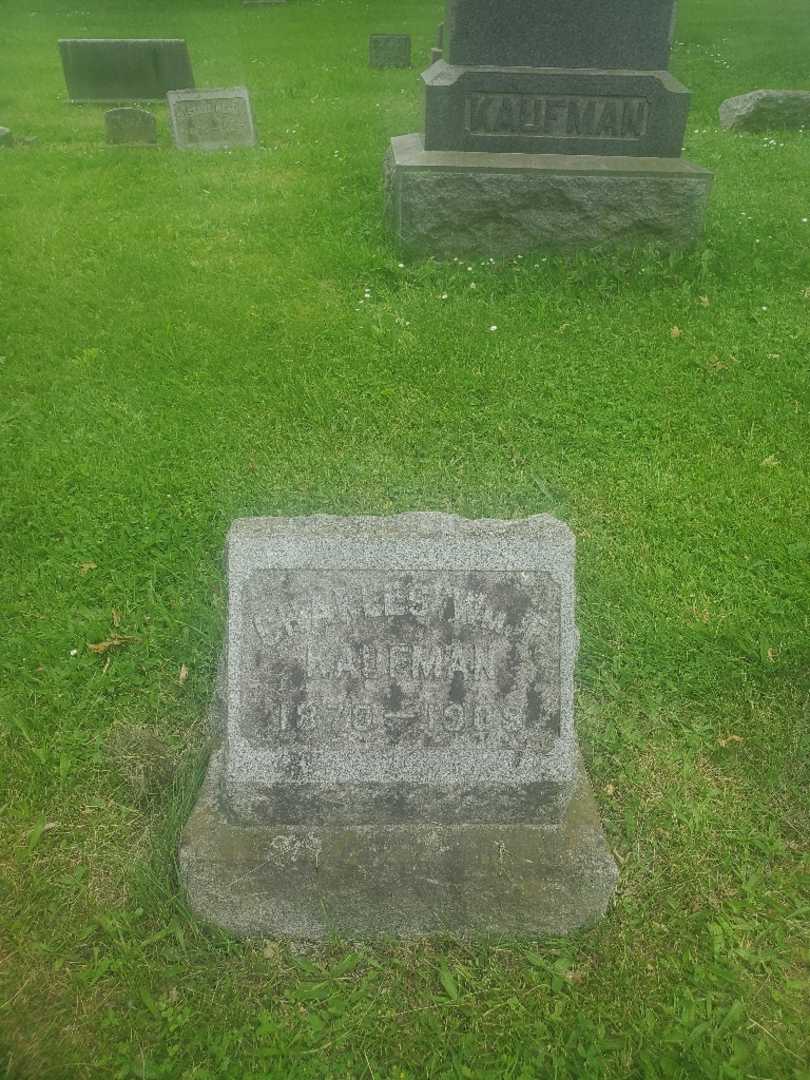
x=548 y=122
x=130 y=127
x=211 y=119
x=125 y=69
x=398 y=753
x=389 y=51
x=6 y=138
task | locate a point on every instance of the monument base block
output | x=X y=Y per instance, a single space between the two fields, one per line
x=448 y=203
x=397 y=881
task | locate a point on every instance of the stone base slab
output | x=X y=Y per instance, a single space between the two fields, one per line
x=396 y=881
x=447 y=203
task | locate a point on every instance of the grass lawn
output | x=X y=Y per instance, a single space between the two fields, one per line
x=185 y=339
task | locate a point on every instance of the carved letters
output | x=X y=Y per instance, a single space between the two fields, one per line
x=416 y=658
x=558 y=117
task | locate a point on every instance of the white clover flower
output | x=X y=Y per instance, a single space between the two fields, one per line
x=492 y=329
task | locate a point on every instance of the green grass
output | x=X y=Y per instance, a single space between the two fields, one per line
x=183 y=340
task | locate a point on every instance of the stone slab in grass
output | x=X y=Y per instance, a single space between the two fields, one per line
x=130 y=126
x=767 y=110
x=389 y=50
x=500 y=205
x=211 y=119
x=398 y=752
x=124 y=69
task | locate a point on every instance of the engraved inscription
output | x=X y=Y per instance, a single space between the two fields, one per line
x=212 y=120
x=558 y=116
x=413 y=659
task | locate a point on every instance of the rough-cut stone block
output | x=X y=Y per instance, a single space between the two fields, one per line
x=446 y=204
x=398 y=734
x=125 y=69
x=767 y=110
x=389 y=51
x=211 y=119
x=130 y=127
x=6 y=138
x=630 y=34
x=405 y=881
x=641 y=114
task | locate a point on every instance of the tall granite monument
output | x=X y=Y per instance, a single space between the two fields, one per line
x=548 y=123
x=397 y=752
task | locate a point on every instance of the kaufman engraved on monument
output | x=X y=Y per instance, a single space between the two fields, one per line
x=398 y=692
x=640 y=114
x=531 y=116
x=557 y=77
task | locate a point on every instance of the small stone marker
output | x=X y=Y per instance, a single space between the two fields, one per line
x=767 y=110
x=124 y=69
x=526 y=112
x=389 y=51
x=6 y=138
x=211 y=119
x=398 y=752
x=130 y=127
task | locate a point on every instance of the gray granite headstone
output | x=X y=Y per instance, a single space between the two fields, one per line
x=124 y=69
x=557 y=78
x=398 y=692
x=389 y=51
x=531 y=114
x=211 y=119
x=767 y=110
x=129 y=126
